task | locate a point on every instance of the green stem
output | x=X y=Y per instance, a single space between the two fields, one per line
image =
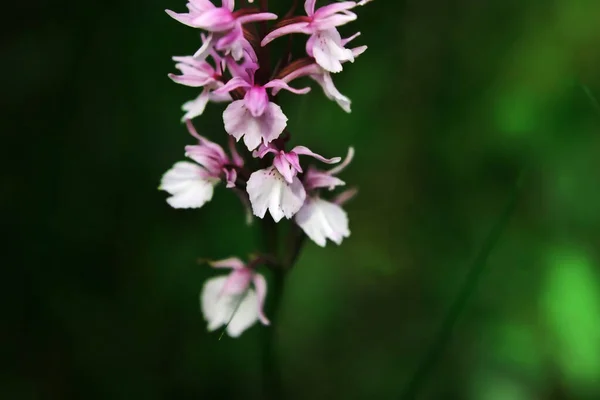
x=472 y=279
x=272 y=381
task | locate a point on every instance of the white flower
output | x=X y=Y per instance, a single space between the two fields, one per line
x=268 y=189
x=229 y=300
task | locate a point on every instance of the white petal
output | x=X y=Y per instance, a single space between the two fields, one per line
x=209 y=302
x=329 y=51
x=268 y=190
x=239 y=122
x=185 y=183
x=195 y=108
x=245 y=315
x=322 y=220
x=331 y=91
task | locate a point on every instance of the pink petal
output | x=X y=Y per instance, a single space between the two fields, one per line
x=345 y=163
x=281 y=84
x=298 y=73
x=238 y=281
x=298 y=27
x=357 y=51
x=245 y=19
x=345 y=196
x=256 y=100
x=231 y=40
x=284 y=167
x=212 y=146
x=334 y=8
x=294 y=160
x=301 y=150
x=351 y=38
x=230 y=177
x=263 y=150
x=215 y=20
x=260 y=284
x=206 y=48
x=232 y=84
x=333 y=21
x=228 y=4
x=183 y=18
x=235 y=156
x=200 y=5
x=232 y=262
x=315 y=179
x=309 y=7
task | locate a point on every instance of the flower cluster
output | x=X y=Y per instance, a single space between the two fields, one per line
x=233 y=65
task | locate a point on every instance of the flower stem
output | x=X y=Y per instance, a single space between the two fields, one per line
x=472 y=279
x=272 y=381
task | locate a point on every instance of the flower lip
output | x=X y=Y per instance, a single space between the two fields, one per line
x=256 y=100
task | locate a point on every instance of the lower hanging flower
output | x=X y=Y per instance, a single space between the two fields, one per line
x=231 y=301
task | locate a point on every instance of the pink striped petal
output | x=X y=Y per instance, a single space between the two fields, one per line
x=298 y=27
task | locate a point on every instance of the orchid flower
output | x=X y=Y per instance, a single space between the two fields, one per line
x=229 y=300
x=325 y=43
x=255 y=118
x=224 y=24
x=323 y=78
x=277 y=188
x=191 y=184
x=199 y=73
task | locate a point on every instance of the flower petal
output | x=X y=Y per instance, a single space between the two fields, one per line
x=268 y=190
x=239 y=122
x=322 y=220
x=309 y=7
x=232 y=84
x=256 y=17
x=261 y=291
x=195 y=108
x=214 y=20
x=210 y=303
x=329 y=52
x=231 y=262
x=244 y=315
x=302 y=150
x=280 y=84
x=187 y=184
x=298 y=27
x=332 y=93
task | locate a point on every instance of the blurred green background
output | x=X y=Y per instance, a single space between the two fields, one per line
x=451 y=102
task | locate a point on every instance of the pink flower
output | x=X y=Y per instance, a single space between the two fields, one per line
x=255 y=117
x=323 y=78
x=229 y=300
x=199 y=73
x=224 y=24
x=191 y=185
x=277 y=188
x=288 y=163
x=321 y=219
x=325 y=43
